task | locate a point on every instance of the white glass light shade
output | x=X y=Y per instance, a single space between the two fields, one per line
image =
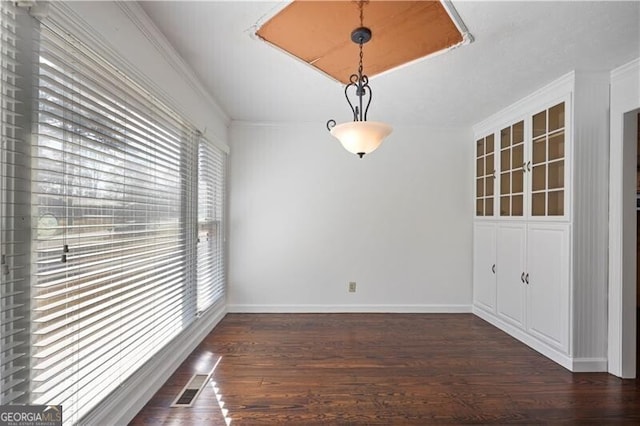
x=361 y=137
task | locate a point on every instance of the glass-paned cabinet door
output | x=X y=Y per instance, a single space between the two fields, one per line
x=512 y=166
x=485 y=175
x=548 y=162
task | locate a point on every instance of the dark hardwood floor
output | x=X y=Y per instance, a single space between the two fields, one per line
x=419 y=369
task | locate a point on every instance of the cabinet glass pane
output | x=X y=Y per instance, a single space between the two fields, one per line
x=539 y=151
x=505 y=137
x=556 y=117
x=505 y=159
x=556 y=203
x=556 y=146
x=547 y=152
x=517 y=205
x=556 y=174
x=539 y=178
x=538 y=204
x=488 y=207
x=505 y=184
x=512 y=161
x=517 y=157
x=488 y=181
x=504 y=206
x=480 y=167
x=518 y=133
x=539 y=124
x=485 y=179
x=517 y=181
x=489 y=144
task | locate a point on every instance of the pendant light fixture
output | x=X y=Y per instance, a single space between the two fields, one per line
x=359 y=136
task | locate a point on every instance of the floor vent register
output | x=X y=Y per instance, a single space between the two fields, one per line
x=190 y=392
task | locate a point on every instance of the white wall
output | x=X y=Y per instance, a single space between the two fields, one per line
x=625 y=97
x=590 y=223
x=307 y=217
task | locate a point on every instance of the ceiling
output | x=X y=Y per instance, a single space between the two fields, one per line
x=518 y=48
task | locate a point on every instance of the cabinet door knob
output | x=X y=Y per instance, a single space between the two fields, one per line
x=493 y=268
x=522 y=277
x=529 y=166
x=526 y=278
x=524 y=167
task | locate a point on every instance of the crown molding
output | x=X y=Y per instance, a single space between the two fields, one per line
x=149 y=29
x=627 y=69
x=64 y=15
x=557 y=88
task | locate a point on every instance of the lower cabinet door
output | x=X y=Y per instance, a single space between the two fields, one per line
x=484 y=266
x=510 y=271
x=548 y=260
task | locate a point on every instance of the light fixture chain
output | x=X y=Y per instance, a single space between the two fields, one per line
x=360 y=68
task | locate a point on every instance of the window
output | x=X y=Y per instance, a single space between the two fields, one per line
x=14 y=219
x=102 y=202
x=211 y=231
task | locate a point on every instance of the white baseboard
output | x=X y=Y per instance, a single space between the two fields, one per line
x=123 y=404
x=250 y=308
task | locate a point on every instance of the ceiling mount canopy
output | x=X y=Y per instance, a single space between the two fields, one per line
x=360 y=136
x=361 y=35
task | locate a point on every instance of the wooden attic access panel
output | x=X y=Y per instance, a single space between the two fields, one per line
x=319 y=33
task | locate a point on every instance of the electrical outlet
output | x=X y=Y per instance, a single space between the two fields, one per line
x=352 y=286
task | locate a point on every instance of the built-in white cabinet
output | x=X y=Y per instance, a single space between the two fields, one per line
x=539 y=270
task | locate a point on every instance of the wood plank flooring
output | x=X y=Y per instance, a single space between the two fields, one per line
x=391 y=369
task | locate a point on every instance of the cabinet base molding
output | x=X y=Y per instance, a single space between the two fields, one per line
x=551 y=353
x=589 y=365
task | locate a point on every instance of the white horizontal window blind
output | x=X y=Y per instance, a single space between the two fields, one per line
x=14 y=220
x=211 y=224
x=113 y=176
